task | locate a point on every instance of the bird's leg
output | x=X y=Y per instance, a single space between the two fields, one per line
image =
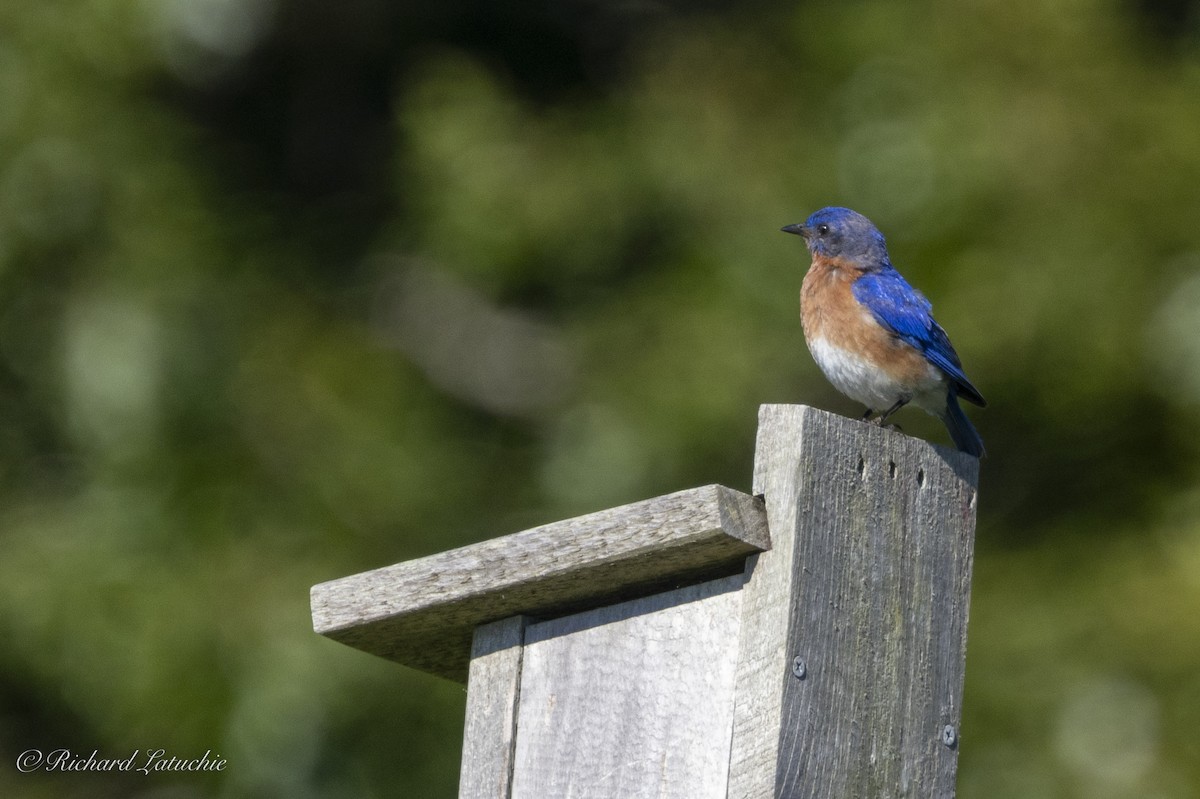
x=883 y=417
x=867 y=415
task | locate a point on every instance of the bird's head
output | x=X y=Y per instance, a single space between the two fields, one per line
x=842 y=233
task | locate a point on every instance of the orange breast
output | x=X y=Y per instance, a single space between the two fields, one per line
x=828 y=309
x=830 y=314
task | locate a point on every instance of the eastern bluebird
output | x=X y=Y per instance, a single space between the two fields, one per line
x=872 y=334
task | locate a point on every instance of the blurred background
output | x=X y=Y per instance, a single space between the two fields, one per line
x=291 y=290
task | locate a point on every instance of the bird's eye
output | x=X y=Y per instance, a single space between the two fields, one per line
x=822 y=229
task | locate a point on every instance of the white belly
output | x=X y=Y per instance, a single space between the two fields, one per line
x=863 y=381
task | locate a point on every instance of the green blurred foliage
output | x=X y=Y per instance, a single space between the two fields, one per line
x=289 y=291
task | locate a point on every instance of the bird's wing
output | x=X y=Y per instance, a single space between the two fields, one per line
x=905 y=312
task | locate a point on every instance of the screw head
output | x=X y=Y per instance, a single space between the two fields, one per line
x=949 y=735
x=799 y=667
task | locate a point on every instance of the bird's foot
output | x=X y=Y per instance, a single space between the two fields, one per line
x=883 y=417
x=881 y=421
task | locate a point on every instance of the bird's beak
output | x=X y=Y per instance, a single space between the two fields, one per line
x=798 y=229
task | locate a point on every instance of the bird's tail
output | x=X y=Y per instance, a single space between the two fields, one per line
x=965 y=436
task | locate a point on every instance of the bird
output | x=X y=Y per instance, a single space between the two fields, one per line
x=872 y=334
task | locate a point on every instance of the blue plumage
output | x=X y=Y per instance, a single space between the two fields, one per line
x=906 y=312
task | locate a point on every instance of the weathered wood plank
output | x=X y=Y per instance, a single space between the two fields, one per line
x=632 y=700
x=767 y=609
x=867 y=584
x=489 y=733
x=422 y=613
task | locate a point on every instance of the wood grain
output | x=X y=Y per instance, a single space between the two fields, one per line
x=868 y=584
x=633 y=700
x=489 y=732
x=422 y=613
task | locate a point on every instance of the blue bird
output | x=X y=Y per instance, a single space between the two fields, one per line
x=874 y=335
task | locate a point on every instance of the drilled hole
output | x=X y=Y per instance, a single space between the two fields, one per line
x=920 y=478
x=892 y=469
